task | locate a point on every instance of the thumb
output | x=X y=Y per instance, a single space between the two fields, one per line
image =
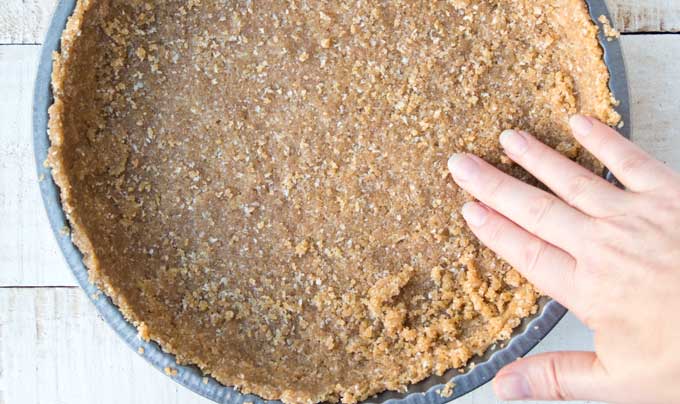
x=553 y=376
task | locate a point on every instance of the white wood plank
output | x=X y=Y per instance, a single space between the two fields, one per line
x=25 y=21
x=645 y=15
x=29 y=255
x=654 y=80
x=55 y=349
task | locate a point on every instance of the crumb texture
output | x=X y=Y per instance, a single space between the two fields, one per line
x=262 y=188
x=609 y=32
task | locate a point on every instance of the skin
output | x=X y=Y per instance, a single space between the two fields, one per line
x=611 y=256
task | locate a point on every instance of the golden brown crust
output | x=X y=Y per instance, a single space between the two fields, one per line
x=264 y=192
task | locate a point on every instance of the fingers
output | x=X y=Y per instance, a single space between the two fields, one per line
x=550 y=269
x=553 y=376
x=536 y=211
x=636 y=169
x=574 y=184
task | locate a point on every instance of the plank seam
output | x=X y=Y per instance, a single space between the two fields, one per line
x=40 y=287
x=642 y=33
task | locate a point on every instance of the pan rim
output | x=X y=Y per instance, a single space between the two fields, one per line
x=523 y=340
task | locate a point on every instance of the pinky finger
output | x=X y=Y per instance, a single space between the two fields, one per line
x=636 y=169
x=549 y=268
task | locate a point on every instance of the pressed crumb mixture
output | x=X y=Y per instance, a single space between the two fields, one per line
x=261 y=187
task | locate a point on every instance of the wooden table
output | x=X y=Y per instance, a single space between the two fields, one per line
x=53 y=346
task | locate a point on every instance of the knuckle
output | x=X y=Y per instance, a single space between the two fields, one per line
x=602 y=141
x=495 y=188
x=589 y=315
x=673 y=198
x=554 y=376
x=590 y=230
x=539 y=209
x=533 y=252
x=495 y=230
x=607 y=235
x=633 y=163
x=577 y=187
x=661 y=209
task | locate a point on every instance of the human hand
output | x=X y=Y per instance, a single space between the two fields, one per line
x=611 y=256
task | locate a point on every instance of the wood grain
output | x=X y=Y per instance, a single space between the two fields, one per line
x=25 y=21
x=654 y=79
x=646 y=15
x=29 y=255
x=55 y=349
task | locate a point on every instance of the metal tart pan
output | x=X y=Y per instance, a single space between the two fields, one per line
x=532 y=330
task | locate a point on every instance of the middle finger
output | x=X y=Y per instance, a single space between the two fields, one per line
x=535 y=210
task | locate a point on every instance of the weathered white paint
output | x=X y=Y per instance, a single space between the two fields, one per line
x=54 y=349
x=645 y=15
x=25 y=21
x=29 y=255
x=654 y=79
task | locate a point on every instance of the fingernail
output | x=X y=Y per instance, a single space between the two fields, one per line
x=462 y=167
x=475 y=214
x=513 y=142
x=581 y=125
x=512 y=386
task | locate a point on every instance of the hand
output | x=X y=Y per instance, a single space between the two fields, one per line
x=611 y=256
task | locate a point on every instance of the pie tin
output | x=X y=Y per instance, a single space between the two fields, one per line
x=524 y=338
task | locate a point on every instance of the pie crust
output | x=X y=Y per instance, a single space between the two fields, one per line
x=261 y=187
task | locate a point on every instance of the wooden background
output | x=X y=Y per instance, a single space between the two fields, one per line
x=55 y=349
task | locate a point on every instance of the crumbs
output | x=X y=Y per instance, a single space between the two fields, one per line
x=447 y=390
x=170 y=371
x=609 y=32
x=143 y=332
x=65 y=231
